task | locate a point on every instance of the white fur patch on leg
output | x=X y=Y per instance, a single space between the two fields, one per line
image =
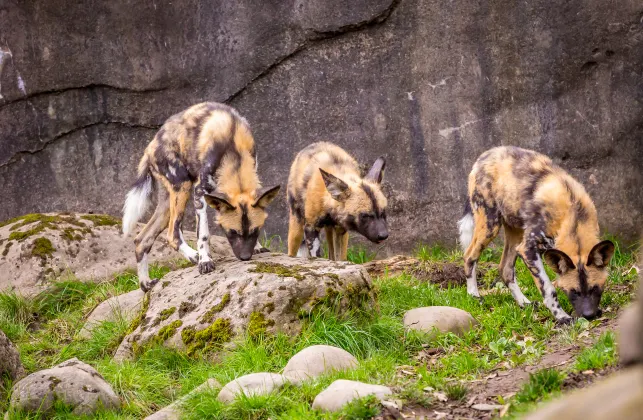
x=315 y=252
x=465 y=227
x=472 y=283
x=549 y=293
x=203 y=231
x=303 y=251
x=143 y=270
x=520 y=298
x=187 y=250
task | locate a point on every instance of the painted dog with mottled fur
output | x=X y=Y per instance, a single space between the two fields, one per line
x=327 y=191
x=208 y=148
x=545 y=214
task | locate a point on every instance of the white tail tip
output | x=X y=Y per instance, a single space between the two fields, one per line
x=465 y=226
x=135 y=206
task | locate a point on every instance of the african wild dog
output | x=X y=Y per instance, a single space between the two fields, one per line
x=208 y=146
x=545 y=212
x=326 y=190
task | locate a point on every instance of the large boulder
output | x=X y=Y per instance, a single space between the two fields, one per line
x=36 y=248
x=270 y=293
x=318 y=360
x=433 y=83
x=74 y=383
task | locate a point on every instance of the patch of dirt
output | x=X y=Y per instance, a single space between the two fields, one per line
x=442 y=274
x=505 y=381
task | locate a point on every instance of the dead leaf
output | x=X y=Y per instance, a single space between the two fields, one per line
x=583 y=334
x=588 y=372
x=487 y=407
x=493 y=375
x=440 y=415
x=504 y=410
x=429 y=389
x=441 y=396
x=471 y=400
x=408 y=373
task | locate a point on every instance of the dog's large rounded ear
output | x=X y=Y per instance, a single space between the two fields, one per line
x=558 y=261
x=219 y=202
x=376 y=173
x=337 y=188
x=601 y=254
x=266 y=196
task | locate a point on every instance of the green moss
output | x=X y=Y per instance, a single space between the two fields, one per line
x=258 y=325
x=163 y=315
x=168 y=331
x=74 y=234
x=295 y=271
x=44 y=222
x=101 y=219
x=208 y=339
x=6 y=249
x=187 y=334
x=43 y=248
x=141 y=315
x=207 y=317
x=165 y=284
x=269 y=294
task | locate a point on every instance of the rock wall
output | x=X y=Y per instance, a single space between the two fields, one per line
x=431 y=84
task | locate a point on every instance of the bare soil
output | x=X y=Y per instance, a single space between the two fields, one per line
x=505 y=381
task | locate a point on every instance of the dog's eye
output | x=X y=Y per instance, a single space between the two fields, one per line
x=595 y=290
x=234 y=232
x=366 y=216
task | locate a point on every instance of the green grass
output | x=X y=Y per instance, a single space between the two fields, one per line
x=45 y=330
x=600 y=355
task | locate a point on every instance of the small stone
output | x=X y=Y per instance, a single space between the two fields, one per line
x=487 y=407
x=318 y=360
x=253 y=384
x=441 y=318
x=173 y=411
x=74 y=383
x=342 y=391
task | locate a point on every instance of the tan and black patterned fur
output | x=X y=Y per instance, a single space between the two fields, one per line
x=545 y=214
x=208 y=149
x=326 y=191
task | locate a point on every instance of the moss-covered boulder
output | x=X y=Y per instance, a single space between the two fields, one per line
x=270 y=293
x=36 y=248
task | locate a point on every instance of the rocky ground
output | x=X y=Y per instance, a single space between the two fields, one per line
x=278 y=337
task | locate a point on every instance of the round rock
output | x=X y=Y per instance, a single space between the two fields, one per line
x=439 y=318
x=318 y=360
x=342 y=391
x=173 y=411
x=73 y=382
x=261 y=383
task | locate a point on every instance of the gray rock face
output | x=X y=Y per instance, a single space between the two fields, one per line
x=261 y=383
x=173 y=411
x=125 y=307
x=10 y=364
x=269 y=293
x=430 y=84
x=341 y=392
x=318 y=360
x=39 y=247
x=73 y=382
x=439 y=318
